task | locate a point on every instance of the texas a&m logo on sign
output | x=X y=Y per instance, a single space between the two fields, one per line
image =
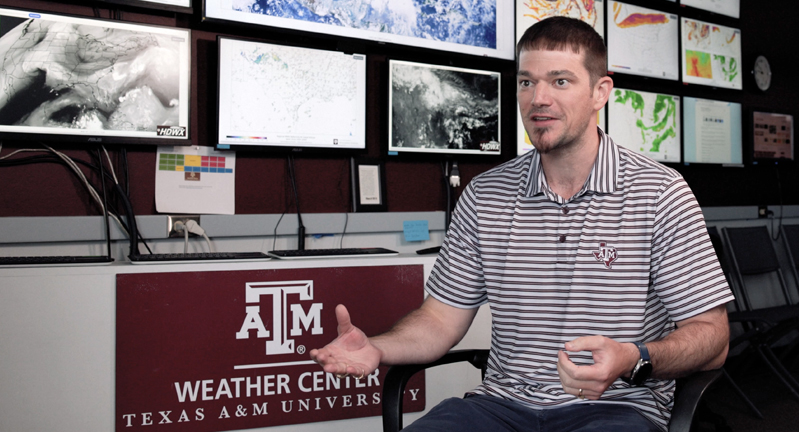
x=278 y=294
x=215 y=351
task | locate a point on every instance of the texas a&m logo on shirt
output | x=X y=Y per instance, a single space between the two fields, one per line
x=606 y=254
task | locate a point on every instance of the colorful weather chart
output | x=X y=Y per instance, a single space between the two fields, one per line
x=193 y=163
x=529 y=12
x=711 y=54
x=643 y=41
x=647 y=123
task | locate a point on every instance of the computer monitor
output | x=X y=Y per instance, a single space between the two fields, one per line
x=725 y=7
x=712 y=131
x=643 y=41
x=443 y=110
x=772 y=136
x=483 y=28
x=711 y=54
x=533 y=11
x=647 y=123
x=288 y=98
x=183 y=6
x=92 y=81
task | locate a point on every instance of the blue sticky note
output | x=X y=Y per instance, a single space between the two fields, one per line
x=416 y=230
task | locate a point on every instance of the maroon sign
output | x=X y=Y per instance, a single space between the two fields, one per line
x=215 y=351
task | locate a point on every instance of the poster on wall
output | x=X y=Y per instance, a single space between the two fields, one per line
x=229 y=350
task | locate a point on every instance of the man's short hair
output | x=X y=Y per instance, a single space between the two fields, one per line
x=562 y=33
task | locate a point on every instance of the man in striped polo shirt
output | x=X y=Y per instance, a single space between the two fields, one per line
x=593 y=259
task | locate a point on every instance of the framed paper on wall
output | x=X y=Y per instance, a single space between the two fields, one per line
x=368 y=185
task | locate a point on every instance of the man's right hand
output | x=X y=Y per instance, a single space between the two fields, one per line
x=350 y=353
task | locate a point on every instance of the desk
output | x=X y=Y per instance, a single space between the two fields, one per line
x=57 y=345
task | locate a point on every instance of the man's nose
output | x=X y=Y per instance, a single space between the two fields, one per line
x=541 y=95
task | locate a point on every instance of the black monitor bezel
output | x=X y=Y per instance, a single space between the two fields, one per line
x=440 y=155
x=108 y=139
x=281 y=149
x=139 y=4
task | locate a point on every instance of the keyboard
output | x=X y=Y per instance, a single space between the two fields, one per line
x=205 y=257
x=54 y=261
x=331 y=253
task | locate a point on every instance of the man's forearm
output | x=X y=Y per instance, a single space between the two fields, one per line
x=697 y=344
x=425 y=334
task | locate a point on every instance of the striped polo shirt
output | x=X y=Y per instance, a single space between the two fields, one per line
x=626 y=258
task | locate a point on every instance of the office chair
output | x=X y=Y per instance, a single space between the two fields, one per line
x=752 y=256
x=718 y=246
x=790 y=238
x=686 y=398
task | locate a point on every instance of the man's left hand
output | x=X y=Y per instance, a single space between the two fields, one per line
x=611 y=360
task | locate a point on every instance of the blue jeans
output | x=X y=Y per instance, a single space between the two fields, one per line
x=488 y=413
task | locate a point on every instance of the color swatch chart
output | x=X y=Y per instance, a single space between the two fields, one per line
x=192 y=163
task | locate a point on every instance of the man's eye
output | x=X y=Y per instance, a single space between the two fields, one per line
x=561 y=82
x=524 y=83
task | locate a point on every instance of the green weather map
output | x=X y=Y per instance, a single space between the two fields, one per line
x=646 y=122
x=729 y=69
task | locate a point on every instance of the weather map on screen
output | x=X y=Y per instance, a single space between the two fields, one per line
x=711 y=54
x=529 y=12
x=276 y=96
x=725 y=7
x=643 y=42
x=480 y=27
x=91 y=79
x=442 y=109
x=712 y=131
x=647 y=123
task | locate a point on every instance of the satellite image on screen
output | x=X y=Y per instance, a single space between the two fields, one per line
x=468 y=22
x=70 y=74
x=445 y=109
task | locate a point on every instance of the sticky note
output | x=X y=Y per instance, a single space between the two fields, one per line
x=416 y=230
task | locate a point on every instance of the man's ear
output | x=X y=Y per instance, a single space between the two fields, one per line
x=602 y=90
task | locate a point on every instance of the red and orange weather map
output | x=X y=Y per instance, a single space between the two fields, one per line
x=637 y=19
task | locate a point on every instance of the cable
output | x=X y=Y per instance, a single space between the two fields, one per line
x=195 y=228
x=61 y=158
x=779 y=193
x=274 y=232
x=126 y=170
x=180 y=227
x=300 y=226
x=110 y=164
x=346 y=221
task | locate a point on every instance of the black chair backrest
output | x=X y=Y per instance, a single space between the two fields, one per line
x=715 y=238
x=791 y=233
x=753 y=250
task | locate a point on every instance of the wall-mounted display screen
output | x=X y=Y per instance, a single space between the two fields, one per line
x=182 y=3
x=712 y=131
x=711 y=54
x=283 y=97
x=647 y=123
x=529 y=12
x=643 y=41
x=772 y=135
x=183 y=6
x=88 y=80
x=479 y=27
x=725 y=7
x=523 y=143
x=445 y=110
